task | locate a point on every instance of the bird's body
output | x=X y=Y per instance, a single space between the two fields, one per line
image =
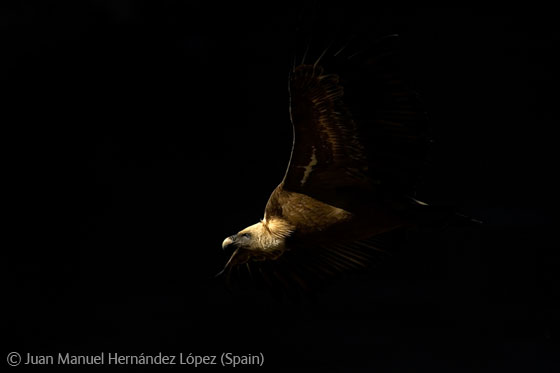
x=339 y=190
x=313 y=219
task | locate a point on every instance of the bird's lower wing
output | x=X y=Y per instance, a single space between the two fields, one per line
x=304 y=268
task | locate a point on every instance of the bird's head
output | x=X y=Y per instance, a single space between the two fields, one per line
x=262 y=241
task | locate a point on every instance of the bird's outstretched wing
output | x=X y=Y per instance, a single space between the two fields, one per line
x=327 y=152
x=356 y=127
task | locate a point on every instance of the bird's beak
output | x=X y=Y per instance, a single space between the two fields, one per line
x=228 y=242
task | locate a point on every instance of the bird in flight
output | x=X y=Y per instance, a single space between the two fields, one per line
x=358 y=144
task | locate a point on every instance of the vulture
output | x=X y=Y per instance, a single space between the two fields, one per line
x=359 y=144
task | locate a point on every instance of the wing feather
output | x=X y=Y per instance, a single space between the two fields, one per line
x=327 y=151
x=361 y=129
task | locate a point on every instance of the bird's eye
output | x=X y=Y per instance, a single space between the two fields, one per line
x=246 y=235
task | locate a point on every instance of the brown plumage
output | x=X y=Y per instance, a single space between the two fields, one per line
x=340 y=189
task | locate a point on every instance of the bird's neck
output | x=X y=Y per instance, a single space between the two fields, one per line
x=277 y=227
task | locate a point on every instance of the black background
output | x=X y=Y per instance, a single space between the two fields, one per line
x=138 y=135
